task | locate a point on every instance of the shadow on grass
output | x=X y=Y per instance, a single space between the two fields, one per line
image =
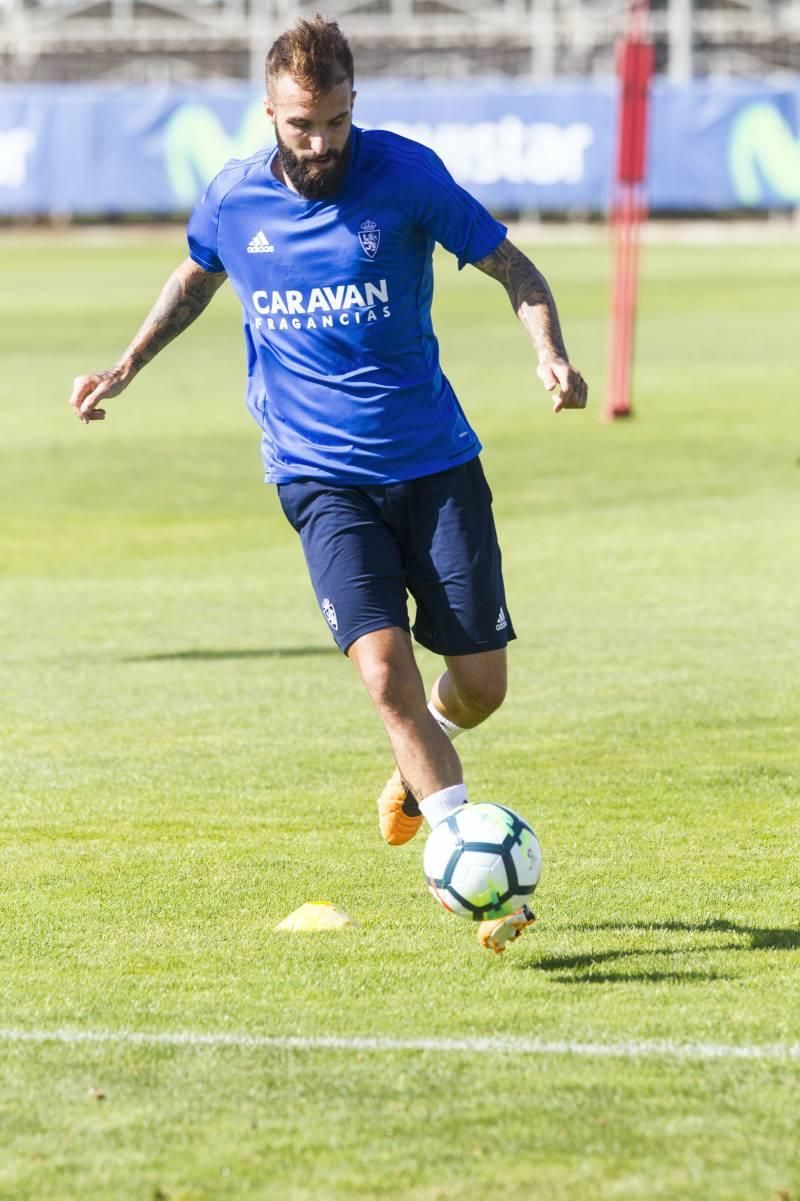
x=271 y=652
x=768 y=939
x=582 y=968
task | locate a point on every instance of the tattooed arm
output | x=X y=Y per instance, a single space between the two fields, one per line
x=532 y=301
x=184 y=296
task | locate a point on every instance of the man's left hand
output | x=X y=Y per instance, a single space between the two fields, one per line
x=569 y=388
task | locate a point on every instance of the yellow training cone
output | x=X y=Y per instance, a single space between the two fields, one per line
x=316 y=915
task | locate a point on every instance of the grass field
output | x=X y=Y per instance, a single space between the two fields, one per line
x=186 y=758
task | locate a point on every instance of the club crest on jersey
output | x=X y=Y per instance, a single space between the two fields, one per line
x=370 y=237
x=330 y=613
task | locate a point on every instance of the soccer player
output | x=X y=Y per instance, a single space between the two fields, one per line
x=327 y=240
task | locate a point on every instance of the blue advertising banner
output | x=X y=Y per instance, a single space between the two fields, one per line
x=100 y=150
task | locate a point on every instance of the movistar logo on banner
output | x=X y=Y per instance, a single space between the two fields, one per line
x=480 y=152
x=764 y=156
x=508 y=149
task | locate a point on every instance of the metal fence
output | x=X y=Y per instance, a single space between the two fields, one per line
x=528 y=40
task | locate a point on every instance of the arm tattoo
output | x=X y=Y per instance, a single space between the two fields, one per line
x=184 y=296
x=531 y=298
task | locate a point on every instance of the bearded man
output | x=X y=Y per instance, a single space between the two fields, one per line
x=328 y=240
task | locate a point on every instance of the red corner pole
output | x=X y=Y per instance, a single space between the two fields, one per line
x=629 y=205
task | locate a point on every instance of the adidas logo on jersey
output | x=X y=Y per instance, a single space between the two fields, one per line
x=502 y=623
x=260 y=244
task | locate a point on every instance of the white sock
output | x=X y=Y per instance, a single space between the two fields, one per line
x=447 y=726
x=439 y=805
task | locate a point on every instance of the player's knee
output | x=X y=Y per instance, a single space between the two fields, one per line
x=386 y=685
x=483 y=695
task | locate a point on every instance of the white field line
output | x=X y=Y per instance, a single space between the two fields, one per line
x=632 y=1049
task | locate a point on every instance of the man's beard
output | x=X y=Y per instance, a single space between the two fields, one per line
x=310 y=183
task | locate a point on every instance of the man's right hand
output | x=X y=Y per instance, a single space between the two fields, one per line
x=89 y=390
x=186 y=293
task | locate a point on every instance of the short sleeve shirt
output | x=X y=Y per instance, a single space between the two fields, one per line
x=343 y=364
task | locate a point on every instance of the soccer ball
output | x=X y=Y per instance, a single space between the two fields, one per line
x=482 y=861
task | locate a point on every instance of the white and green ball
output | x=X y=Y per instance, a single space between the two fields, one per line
x=483 y=861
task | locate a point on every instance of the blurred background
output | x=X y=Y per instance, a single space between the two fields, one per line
x=128 y=108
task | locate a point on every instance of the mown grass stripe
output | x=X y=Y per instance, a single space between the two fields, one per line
x=629 y=1049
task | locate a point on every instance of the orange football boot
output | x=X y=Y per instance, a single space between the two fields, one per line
x=496 y=934
x=398 y=813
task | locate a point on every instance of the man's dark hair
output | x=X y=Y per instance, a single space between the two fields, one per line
x=314 y=52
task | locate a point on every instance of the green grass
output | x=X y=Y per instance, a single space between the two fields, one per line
x=185 y=758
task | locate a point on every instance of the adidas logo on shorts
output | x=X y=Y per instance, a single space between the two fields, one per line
x=330 y=613
x=502 y=623
x=260 y=244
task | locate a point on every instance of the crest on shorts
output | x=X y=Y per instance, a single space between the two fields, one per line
x=370 y=237
x=330 y=613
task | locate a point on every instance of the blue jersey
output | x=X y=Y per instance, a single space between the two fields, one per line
x=342 y=361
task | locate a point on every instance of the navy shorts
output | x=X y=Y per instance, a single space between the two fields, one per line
x=368 y=547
